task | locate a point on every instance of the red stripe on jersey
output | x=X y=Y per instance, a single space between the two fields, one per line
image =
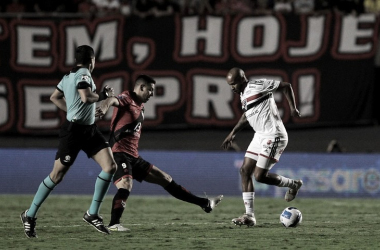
x=252 y=152
x=254 y=97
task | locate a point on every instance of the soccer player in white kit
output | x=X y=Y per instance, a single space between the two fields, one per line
x=269 y=141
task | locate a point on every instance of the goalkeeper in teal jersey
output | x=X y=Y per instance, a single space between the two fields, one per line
x=76 y=95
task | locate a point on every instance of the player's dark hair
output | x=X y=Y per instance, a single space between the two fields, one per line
x=144 y=79
x=84 y=54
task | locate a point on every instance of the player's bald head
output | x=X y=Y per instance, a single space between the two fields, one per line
x=235 y=74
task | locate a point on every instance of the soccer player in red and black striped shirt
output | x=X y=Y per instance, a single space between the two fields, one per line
x=126 y=123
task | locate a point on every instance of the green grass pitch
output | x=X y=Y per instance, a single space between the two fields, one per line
x=162 y=222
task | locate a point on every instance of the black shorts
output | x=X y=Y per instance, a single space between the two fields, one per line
x=75 y=137
x=129 y=166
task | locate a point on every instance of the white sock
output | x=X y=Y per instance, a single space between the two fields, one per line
x=286 y=182
x=248 y=198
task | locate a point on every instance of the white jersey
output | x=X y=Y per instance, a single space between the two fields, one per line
x=260 y=108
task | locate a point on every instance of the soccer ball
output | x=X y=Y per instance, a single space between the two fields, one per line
x=291 y=217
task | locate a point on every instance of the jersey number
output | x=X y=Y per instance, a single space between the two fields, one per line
x=138 y=127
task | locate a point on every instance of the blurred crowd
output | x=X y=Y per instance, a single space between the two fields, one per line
x=157 y=8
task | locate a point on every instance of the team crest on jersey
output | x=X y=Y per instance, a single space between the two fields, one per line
x=67 y=158
x=85 y=78
x=269 y=142
x=267 y=148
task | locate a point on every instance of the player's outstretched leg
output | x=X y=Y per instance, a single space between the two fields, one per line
x=292 y=192
x=181 y=193
x=246 y=219
x=212 y=203
x=29 y=225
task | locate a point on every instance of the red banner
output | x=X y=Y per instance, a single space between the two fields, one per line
x=329 y=59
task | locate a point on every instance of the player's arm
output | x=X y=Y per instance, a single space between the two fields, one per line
x=102 y=109
x=87 y=96
x=239 y=126
x=287 y=89
x=58 y=99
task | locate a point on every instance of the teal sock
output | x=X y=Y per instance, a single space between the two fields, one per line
x=46 y=186
x=102 y=185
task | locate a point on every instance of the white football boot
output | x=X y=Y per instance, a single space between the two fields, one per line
x=292 y=192
x=245 y=219
x=118 y=228
x=212 y=203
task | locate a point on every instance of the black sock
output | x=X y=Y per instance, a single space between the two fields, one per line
x=182 y=194
x=118 y=205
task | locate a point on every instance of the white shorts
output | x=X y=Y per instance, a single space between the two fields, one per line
x=266 y=150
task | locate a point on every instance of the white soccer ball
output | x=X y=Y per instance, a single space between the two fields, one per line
x=291 y=217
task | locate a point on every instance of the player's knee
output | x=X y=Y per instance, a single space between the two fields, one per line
x=56 y=177
x=113 y=167
x=167 y=178
x=128 y=184
x=110 y=168
x=244 y=172
x=159 y=177
x=59 y=171
x=125 y=183
x=163 y=180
